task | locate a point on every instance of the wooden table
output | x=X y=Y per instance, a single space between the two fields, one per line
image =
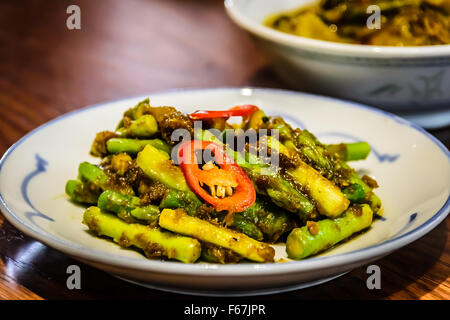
x=126 y=48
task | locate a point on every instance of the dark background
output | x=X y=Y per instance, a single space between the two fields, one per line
x=127 y=48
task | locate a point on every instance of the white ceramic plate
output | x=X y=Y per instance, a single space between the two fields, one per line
x=411 y=166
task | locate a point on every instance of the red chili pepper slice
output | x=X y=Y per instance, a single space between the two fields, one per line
x=241 y=111
x=230 y=188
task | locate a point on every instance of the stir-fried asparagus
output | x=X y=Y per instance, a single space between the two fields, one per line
x=350 y=151
x=139 y=191
x=152 y=240
x=241 y=224
x=82 y=192
x=215 y=254
x=93 y=174
x=268 y=182
x=133 y=146
x=272 y=221
x=178 y=221
x=181 y=199
x=317 y=156
x=128 y=207
x=323 y=234
x=92 y=181
x=330 y=201
x=355 y=193
x=167 y=118
x=143 y=127
x=89 y=173
x=158 y=166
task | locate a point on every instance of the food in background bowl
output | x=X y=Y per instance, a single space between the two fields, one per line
x=223 y=201
x=408 y=80
x=402 y=22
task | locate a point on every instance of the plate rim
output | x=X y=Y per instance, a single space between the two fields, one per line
x=247 y=269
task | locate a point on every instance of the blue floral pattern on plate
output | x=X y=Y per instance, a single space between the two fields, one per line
x=41 y=164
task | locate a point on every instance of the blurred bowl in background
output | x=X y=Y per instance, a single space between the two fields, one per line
x=400 y=79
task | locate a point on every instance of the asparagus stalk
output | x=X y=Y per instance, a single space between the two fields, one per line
x=312 y=150
x=82 y=192
x=92 y=181
x=181 y=199
x=281 y=192
x=321 y=235
x=267 y=182
x=191 y=204
x=126 y=205
x=137 y=111
x=256 y=120
x=355 y=193
x=272 y=221
x=323 y=156
x=143 y=127
x=178 y=221
x=153 y=241
x=329 y=199
x=320 y=158
x=370 y=197
x=94 y=175
x=215 y=254
x=350 y=151
x=158 y=166
x=133 y=146
x=241 y=224
x=91 y=173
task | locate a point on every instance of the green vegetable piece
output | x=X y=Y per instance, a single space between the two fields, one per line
x=149 y=213
x=138 y=110
x=266 y=181
x=181 y=199
x=241 y=224
x=284 y=195
x=91 y=173
x=178 y=221
x=215 y=254
x=133 y=146
x=257 y=120
x=158 y=166
x=302 y=243
x=355 y=193
x=122 y=205
x=370 y=197
x=271 y=220
x=153 y=241
x=81 y=192
x=350 y=151
x=189 y=202
x=315 y=152
x=96 y=177
x=320 y=159
x=143 y=127
x=329 y=199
